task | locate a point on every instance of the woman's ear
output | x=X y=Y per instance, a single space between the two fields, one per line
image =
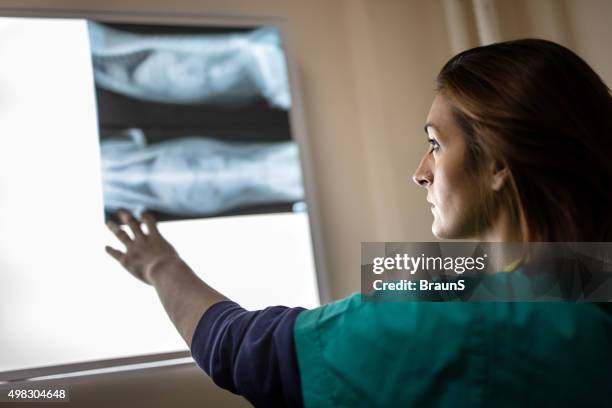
x=500 y=173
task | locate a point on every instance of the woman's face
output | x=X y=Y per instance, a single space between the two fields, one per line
x=451 y=191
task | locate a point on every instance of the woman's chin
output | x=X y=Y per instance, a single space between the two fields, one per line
x=443 y=233
x=435 y=230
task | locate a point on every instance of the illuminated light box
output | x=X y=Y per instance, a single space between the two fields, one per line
x=62 y=298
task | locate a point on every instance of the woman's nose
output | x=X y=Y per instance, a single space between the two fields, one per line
x=420 y=180
x=422 y=175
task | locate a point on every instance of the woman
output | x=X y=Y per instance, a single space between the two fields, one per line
x=520 y=138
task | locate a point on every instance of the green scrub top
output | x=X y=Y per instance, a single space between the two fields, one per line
x=357 y=353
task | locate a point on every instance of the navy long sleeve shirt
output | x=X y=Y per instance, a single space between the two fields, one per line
x=251 y=353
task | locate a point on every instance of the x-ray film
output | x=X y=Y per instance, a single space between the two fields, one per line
x=194 y=124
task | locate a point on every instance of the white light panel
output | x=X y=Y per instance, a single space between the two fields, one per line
x=62 y=299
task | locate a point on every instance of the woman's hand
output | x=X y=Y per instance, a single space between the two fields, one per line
x=144 y=252
x=152 y=259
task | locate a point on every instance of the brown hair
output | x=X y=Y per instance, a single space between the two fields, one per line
x=542 y=111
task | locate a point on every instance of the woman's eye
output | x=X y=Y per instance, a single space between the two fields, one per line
x=434 y=145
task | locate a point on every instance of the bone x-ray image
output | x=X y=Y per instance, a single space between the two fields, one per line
x=194 y=121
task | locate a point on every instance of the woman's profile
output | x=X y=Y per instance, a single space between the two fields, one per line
x=519 y=150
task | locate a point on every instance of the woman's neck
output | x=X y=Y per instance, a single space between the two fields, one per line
x=503 y=230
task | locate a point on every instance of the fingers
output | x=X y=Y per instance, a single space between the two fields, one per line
x=134 y=225
x=118 y=255
x=150 y=222
x=119 y=233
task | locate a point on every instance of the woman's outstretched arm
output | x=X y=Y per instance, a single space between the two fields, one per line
x=150 y=258
x=250 y=353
